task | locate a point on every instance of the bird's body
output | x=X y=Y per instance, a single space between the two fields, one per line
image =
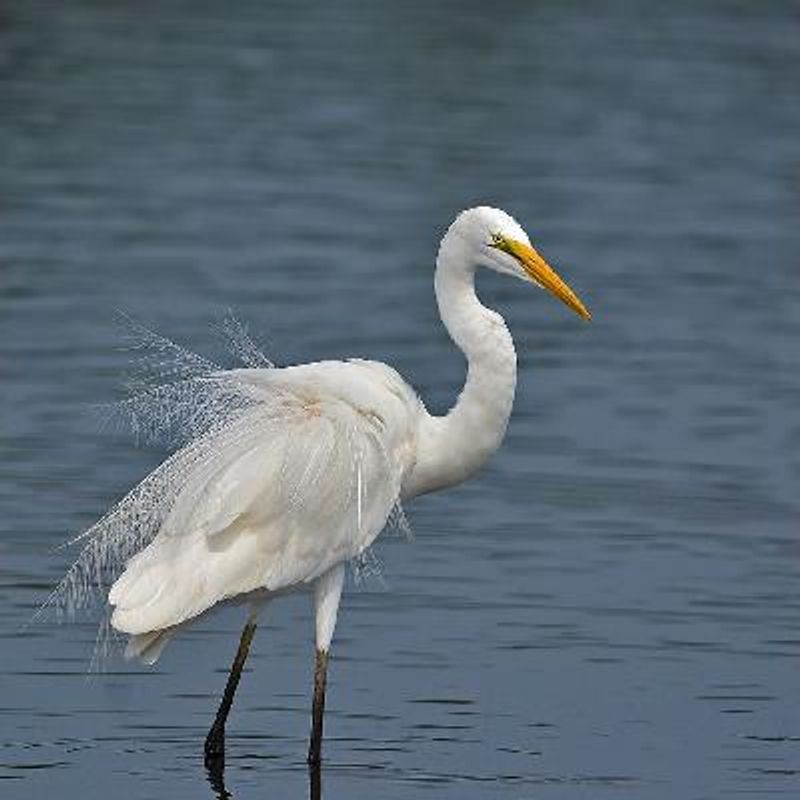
x=300 y=470
x=302 y=480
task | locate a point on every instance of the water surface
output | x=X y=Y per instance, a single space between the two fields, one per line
x=611 y=609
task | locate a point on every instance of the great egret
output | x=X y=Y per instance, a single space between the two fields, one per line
x=287 y=474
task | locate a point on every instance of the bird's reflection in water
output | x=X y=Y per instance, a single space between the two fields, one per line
x=315 y=781
x=215 y=772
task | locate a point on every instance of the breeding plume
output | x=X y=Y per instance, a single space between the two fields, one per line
x=284 y=475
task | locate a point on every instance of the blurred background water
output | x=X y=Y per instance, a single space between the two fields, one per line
x=611 y=609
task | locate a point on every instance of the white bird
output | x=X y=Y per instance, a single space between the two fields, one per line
x=287 y=474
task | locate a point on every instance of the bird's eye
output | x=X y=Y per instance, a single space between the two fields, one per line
x=497 y=240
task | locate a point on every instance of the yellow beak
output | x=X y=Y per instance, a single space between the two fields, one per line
x=543 y=274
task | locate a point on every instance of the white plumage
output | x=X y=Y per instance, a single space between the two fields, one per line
x=282 y=476
x=302 y=480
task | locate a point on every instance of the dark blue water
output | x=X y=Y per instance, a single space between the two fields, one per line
x=613 y=608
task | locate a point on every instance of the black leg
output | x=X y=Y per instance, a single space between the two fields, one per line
x=215 y=741
x=318 y=708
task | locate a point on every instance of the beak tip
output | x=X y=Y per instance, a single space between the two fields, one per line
x=580 y=309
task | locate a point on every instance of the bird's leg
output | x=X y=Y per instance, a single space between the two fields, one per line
x=327 y=593
x=215 y=741
x=315 y=781
x=318 y=707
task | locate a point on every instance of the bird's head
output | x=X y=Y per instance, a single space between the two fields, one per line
x=497 y=241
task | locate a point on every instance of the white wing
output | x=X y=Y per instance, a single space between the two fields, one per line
x=302 y=477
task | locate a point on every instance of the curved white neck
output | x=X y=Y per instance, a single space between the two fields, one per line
x=453 y=447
